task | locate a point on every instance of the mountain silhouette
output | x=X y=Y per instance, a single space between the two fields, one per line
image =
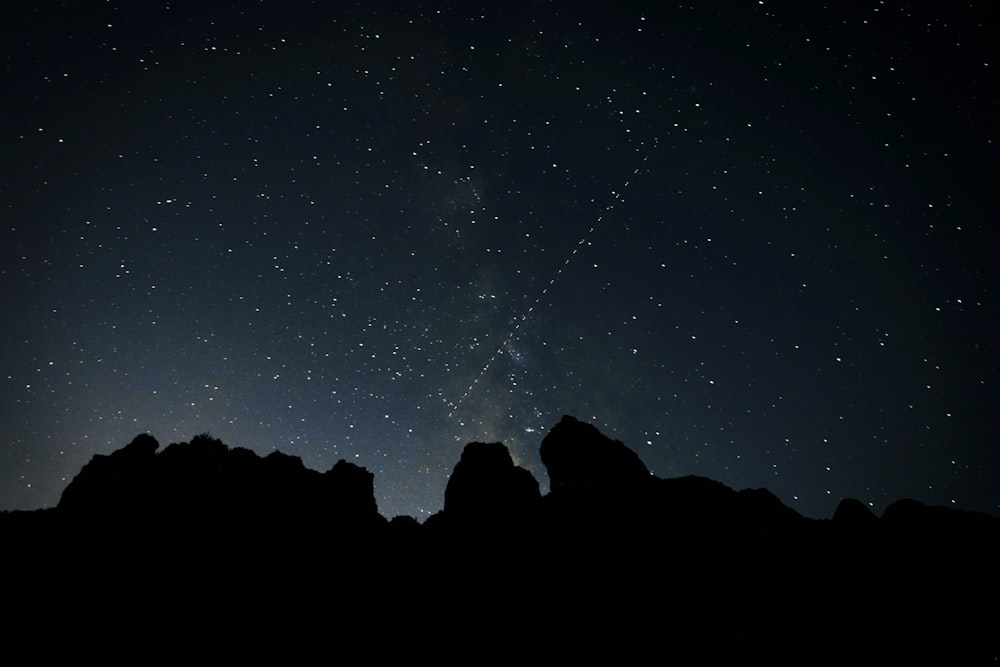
x=204 y=479
x=610 y=559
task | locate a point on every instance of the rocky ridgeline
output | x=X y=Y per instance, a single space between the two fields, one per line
x=611 y=550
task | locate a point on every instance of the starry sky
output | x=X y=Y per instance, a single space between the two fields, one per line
x=752 y=240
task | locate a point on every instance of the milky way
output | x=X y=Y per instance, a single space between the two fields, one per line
x=752 y=240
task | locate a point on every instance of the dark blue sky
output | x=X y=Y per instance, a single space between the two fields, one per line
x=752 y=240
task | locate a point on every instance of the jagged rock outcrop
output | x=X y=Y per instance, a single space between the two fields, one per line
x=486 y=484
x=113 y=483
x=349 y=490
x=205 y=483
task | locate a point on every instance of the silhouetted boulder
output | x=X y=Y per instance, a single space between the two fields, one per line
x=581 y=459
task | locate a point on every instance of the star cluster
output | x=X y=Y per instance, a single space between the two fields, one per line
x=750 y=239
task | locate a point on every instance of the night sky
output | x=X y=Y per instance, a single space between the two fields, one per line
x=755 y=241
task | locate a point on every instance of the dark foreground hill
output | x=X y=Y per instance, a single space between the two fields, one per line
x=612 y=562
